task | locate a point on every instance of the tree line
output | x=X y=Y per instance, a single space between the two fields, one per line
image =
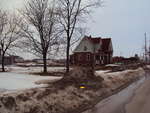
x=42 y=26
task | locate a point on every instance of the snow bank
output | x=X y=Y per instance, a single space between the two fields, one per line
x=45 y=101
x=117 y=79
x=101 y=72
x=113 y=65
x=47 y=81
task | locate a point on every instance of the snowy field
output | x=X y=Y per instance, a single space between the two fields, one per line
x=15 y=81
x=17 y=69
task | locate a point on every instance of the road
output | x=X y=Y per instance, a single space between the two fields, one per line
x=134 y=99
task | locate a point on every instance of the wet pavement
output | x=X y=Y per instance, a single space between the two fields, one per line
x=133 y=99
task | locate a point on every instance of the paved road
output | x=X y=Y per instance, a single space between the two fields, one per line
x=134 y=99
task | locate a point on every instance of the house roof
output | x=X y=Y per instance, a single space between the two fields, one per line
x=98 y=43
x=95 y=40
x=105 y=43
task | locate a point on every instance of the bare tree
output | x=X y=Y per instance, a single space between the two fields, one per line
x=9 y=34
x=72 y=12
x=39 y=29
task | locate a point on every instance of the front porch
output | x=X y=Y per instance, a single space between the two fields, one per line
x=89 y=59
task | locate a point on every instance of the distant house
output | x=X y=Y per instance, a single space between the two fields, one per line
x=124 y=60
x=118 y=59
x=91 y=51
x=17 y=59
x=9 y=60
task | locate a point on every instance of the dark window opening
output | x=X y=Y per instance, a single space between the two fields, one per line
x=85 y=48
x=97 y=57
x=88 y=57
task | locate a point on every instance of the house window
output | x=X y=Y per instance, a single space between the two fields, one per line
x=85 y=48
x=97 y=57
x=88 y=57
x=102 y=58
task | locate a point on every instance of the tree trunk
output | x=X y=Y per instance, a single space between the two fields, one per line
x=45 y=63
x=3 y=63
x=68 y=60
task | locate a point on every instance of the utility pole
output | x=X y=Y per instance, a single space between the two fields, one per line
x=149 y=52
x=146 y=48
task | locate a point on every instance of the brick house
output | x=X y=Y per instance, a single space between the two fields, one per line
x=93 y=51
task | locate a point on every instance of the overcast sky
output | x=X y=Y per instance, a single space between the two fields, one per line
x=125 y=21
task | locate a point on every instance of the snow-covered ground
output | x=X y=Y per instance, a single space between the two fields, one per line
x=101 y=72
x=16 y=81
x=20 y=77
x=17 y=69
x=113 y=65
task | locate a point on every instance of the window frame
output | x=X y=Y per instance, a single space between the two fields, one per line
x=88 y=57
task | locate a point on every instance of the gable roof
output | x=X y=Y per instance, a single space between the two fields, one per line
x=105 y=44
x=104 y=41
x=95 y=40
x=100 y=44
